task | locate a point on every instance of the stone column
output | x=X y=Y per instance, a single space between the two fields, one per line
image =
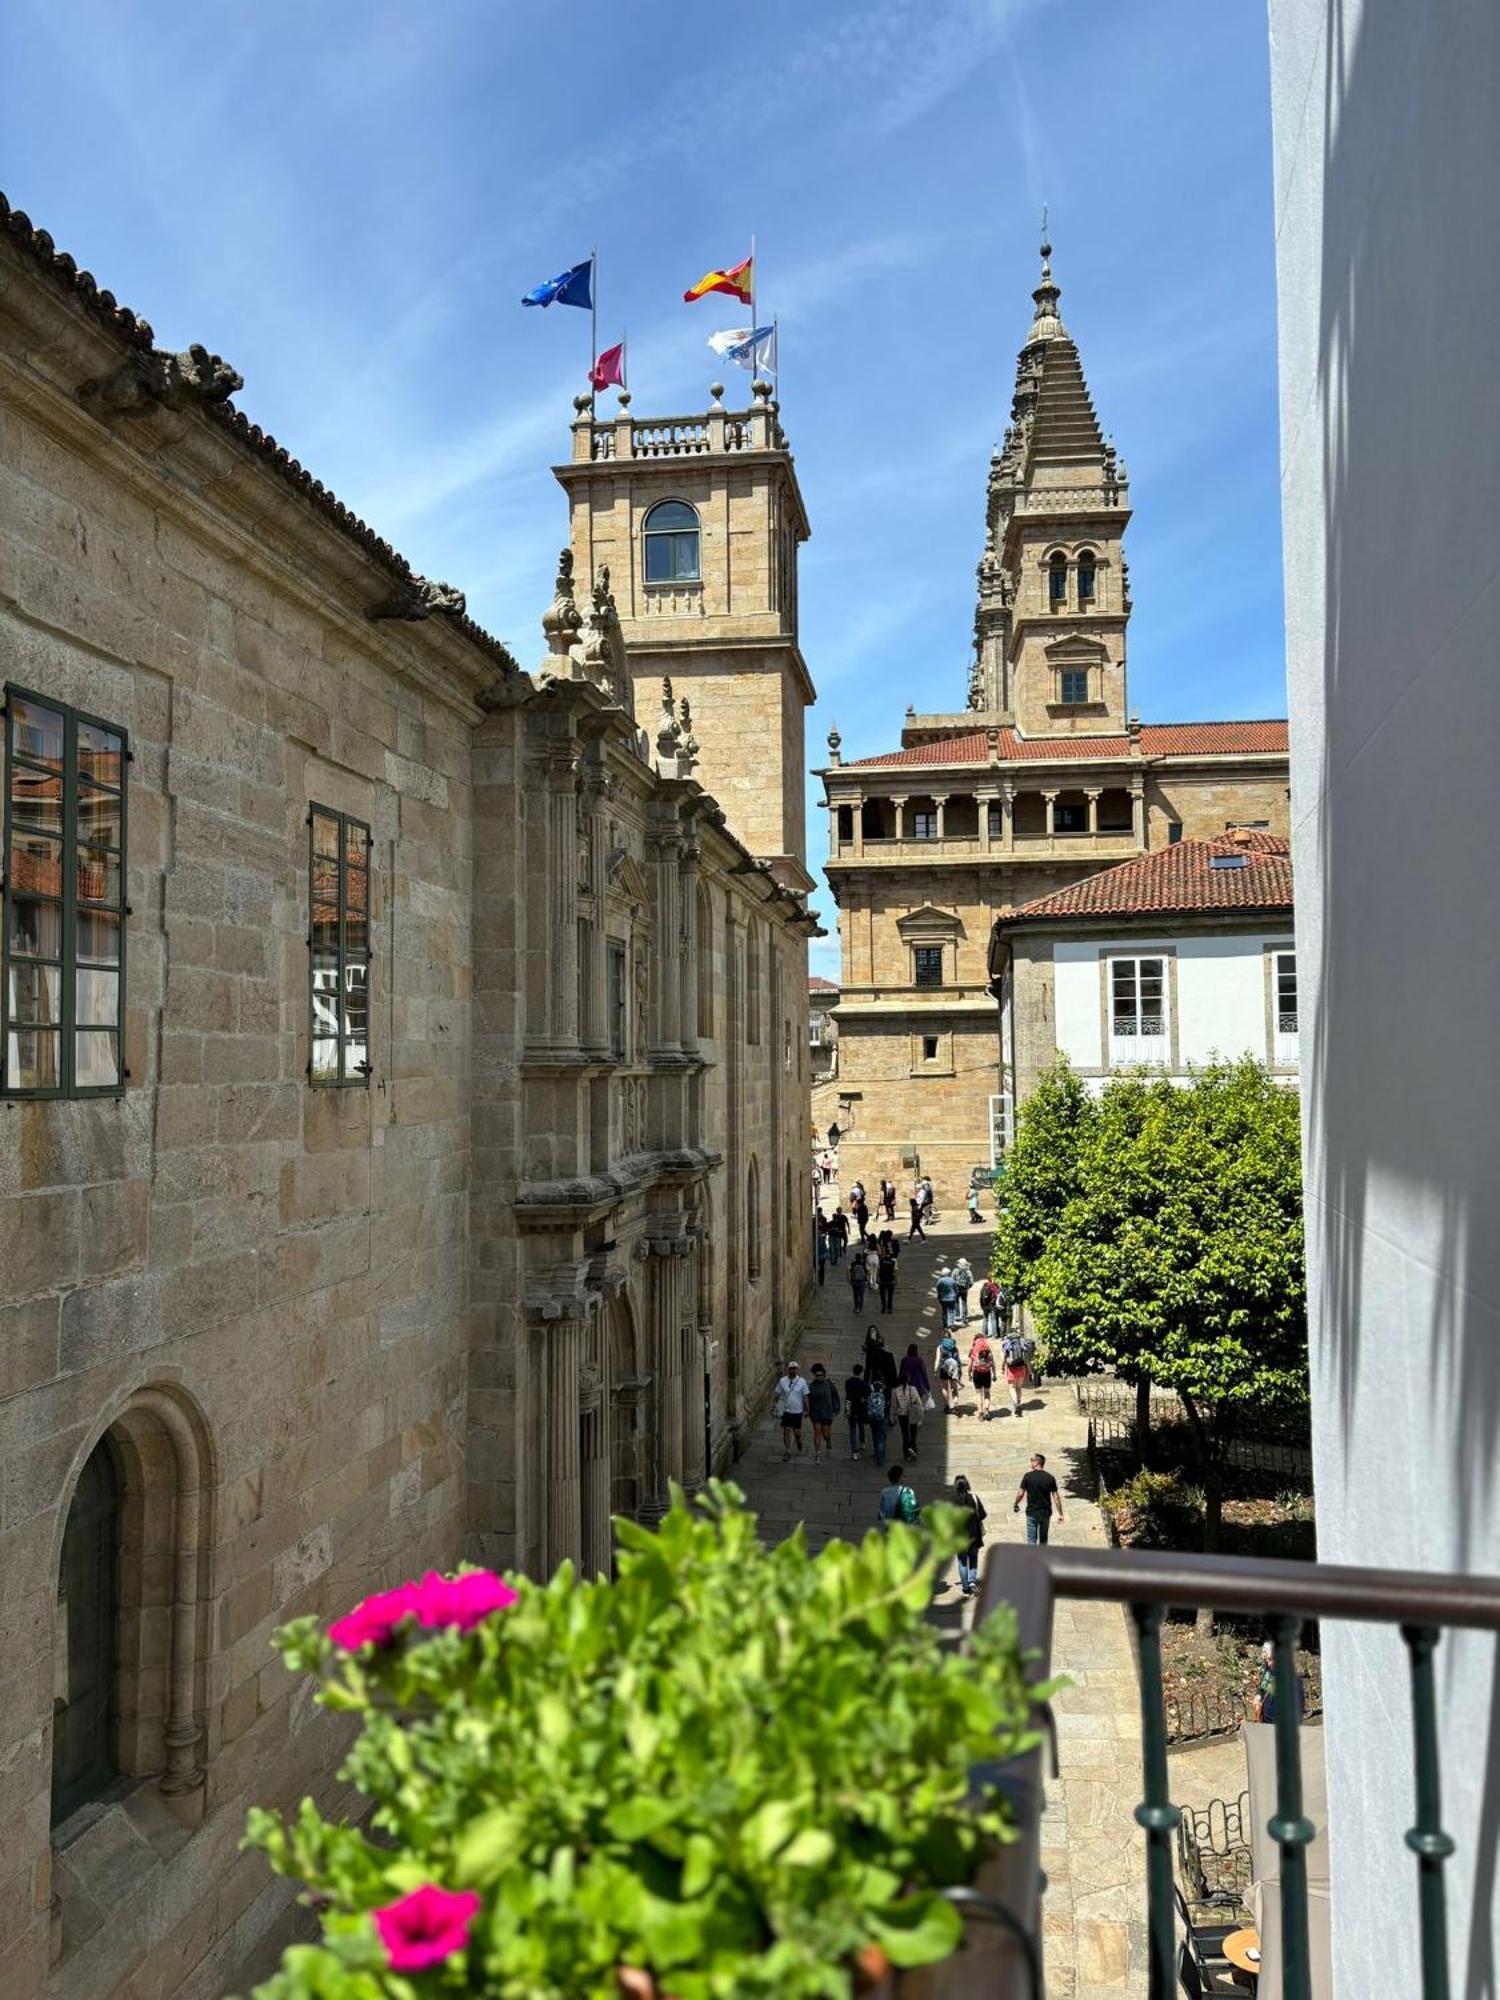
x=597 y=786
x=561 y=767
x=666 y=1367
x=985 y=800
x=1092 y=795
x=690 y=971
x=563 y=1352
x=857 y=826
x=1138 y=811
x=1007 y=817
x=694 y=1469
x=899 y=802
x=940 y=800
x=1051 y=798
x=664 y=1037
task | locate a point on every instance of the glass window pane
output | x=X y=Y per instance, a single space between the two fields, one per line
x=325 y=991
x=36 y=799
x=35 y=993
x=98 y=817
x=325 y=905
x=98 y=876
x=658 y=558
x=325 y=834
x=35 y=928
x=96 y=1063
x=99 y=936
x=671 y=514
x=37 y=731
x=685 y=556
x=356 y=847
x=36 y=865
x=31 y=1059
x=356 y=929
x=325 y=1058
x=96 y=998
x=356 y=1021
x=101 y=755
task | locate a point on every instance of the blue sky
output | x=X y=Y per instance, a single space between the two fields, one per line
x=348 y=200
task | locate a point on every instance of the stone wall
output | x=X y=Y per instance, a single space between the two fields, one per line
x=1206 y=800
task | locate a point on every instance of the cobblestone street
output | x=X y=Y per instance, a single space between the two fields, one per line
x=1094 y=1920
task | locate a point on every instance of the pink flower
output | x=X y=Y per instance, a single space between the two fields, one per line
x=374 y=1622
x=426 y=1927
x=464 y=1601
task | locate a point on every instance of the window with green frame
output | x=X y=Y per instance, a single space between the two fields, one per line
x=63 y=910
x=338 y=939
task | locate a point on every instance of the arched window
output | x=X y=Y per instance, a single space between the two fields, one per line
x=1086 y=596
x=672 y=543
x=752 y=1221
x=85 y=1725
x=1057 y=580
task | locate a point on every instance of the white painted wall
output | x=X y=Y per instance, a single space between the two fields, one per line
x=1387 y=141
x=1218 y=992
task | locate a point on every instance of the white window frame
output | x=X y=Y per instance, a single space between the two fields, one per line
x=1284 y=1041
x=1136 y=1048
x=1002 y=1125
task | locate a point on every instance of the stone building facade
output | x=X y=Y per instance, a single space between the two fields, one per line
x=403 y=1119
x=1044 y=778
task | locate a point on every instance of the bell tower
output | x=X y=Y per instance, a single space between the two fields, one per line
x=1054 y=590
x=699 y=521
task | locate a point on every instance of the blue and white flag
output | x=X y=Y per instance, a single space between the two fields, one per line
x=572 y=288
x=747 y=348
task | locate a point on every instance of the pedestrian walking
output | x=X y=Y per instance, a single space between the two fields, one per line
x=916 y=1220
x=861 y=1209
x=791 y=1407
x=982 y=1372
x=1038 y=1492
x=924 y=1188
x=877 y=1417
x=974 y=1215
x=906 y=1407
x=880 y=1363
x=823 y=1406
x=885 y=1276
x=821 y=1250
x=947 y=1298
x=888 y=1199
x=967 y=1499
x=859 y=1276
x=989 y=1308
x=963 y=1279
x=950 y=1370
x=897 y=1500
x=1015 y=1359
x=838 y=1234
x=913 y=1369
x=856 y=1408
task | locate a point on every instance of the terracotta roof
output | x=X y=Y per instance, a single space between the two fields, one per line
x=133 y=332
x=817 y=984
x=1181 y=878
x=1157 y=739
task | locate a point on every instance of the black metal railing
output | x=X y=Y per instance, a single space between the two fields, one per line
x=1284 y=1595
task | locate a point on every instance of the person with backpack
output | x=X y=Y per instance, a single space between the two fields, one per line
x=950 y=1369
x=897 y=1500
x=791 y=1406
x=1015 y=1359
x=947 y=1298
x=914 y=1370
x=906 y=1408
x=876 y=1417
x=966 y=1498
x=885 y=1275
x=838 y=1234
x=880 y=1363
x=989 y=1307
x=982 y=1372
x=963 y=1278
x=823 y=1406
x=859 y=1275
x=856 y=1408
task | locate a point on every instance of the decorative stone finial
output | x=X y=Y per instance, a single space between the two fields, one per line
x=624 y=399
x=668 y=735
x=716 y=391
x=1045 y=322
x=835 y=744
x=562 y=620
x=760 y=389
x=583 y=403
x=687 y=756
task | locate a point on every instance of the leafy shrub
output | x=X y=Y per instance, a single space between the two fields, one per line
x=733 y=1766
x=1156 y=1510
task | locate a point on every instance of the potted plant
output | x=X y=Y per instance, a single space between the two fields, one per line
x=731 y=1769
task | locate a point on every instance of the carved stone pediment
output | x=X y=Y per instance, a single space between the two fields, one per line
x=625 y=876
x=929 y=921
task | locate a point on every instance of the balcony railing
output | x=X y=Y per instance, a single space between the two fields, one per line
x=1284 y=1594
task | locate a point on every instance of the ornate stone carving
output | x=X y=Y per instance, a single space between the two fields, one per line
x=145 y=382
x=562 y=620
x=415 y=598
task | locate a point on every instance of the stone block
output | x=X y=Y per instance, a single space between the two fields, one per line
x=113 y=1228
x=38 y=1243
x=28 y=1345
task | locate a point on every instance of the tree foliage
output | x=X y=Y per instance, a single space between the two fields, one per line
x=732 y=1766
x=1169 y=1244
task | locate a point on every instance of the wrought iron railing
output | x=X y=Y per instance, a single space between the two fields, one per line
x=1284 y=1594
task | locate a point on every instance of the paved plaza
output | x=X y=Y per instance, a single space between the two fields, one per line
x=1094 y=1913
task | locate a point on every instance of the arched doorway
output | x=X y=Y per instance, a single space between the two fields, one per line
x=85 y=1723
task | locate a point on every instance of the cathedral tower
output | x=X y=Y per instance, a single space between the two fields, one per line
x=1054 y=594
x=699 y=521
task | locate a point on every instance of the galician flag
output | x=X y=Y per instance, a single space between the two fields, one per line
x=569 y=288
x=738 y=281
x=747 y=347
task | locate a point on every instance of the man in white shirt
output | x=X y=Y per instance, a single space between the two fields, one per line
x=791 y=1401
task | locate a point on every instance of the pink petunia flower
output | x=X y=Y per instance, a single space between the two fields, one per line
x=376 y=1621
x=464 y=1601
x=426 y=1927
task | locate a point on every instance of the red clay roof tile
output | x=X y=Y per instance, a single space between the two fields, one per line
x=1157 y=739
x=1177 y=879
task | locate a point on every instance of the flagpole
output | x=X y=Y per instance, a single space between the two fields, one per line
x=593 y=314
x=776 y=350
x=625 y=358
x=753 y=275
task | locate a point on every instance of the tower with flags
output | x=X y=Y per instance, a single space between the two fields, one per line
x=700 y=521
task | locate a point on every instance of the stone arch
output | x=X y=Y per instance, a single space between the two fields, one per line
x=161 y=1445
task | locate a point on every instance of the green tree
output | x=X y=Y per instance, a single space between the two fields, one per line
x=1178 y=1258
x=1041 y=1175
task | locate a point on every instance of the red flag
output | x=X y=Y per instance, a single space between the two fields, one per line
x=610 y=367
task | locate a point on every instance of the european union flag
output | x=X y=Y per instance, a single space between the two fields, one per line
x=573 y=288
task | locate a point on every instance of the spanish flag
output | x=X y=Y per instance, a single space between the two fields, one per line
x=738 y=281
